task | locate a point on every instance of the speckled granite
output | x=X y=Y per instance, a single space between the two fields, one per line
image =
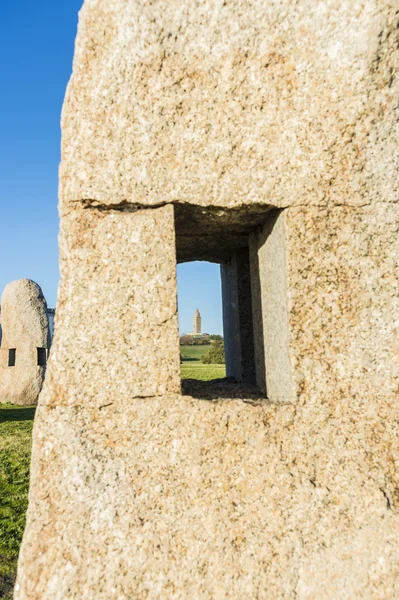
x=117 y=312
x=232 y=102
x=344 y=301
x=138 y=490
x=176 y=497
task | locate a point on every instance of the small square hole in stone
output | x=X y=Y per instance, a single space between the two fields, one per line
x=42 y=357
x=12 y=355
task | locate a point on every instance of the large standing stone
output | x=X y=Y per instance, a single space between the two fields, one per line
x=268 y=129
x=25 y=342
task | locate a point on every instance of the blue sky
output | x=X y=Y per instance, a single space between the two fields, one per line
x=36 y=50
x=199 y=286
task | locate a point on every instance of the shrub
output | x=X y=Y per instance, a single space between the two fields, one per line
x=215 y=354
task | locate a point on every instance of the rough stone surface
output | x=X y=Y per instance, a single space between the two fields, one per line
x=268 y=250
x=225 y=110
x=25 y=328
x=117 y=310
x=237 y=317
x=215 y=234
x=176 y=497
x=228 y=103
x=343 y=291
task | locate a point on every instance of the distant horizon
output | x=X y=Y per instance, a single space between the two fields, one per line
x=205 y=333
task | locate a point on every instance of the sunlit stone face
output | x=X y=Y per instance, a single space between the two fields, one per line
x=209 y=130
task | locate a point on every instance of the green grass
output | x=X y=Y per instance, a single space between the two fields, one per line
x=202 y=372
x=192 y=367
x=15 y=449
x=193 y=353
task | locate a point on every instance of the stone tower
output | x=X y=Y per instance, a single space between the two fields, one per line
x=25 y=342
x=197 y=322
x=260 y=135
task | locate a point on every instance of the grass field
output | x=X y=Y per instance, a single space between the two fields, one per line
x=202 y=372
x=192 y=367
x=15 y=449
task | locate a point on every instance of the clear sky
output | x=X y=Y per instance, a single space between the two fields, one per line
x=36 y=49
x=199 y=286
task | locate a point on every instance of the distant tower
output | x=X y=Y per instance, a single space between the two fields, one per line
x=197 y=328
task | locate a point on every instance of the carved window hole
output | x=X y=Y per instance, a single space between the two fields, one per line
x=222 y=236
x=249 y=244
x=41 y=357
x=12 y=355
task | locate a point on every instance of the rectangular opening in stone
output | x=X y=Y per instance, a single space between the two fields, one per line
x=42 y=357
x=222 y=237
x=200 y=321
x=12 y=354
x=248 y=244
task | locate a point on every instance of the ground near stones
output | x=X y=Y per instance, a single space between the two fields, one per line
x=202 y=372
x=15 y=449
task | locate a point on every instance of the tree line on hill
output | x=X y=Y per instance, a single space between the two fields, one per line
x=205 y=340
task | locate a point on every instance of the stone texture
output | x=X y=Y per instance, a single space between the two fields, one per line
x=175 y=497
x=237 y=317
x=229 y=103
x=117 y=308
x=268 y=252
x=343 y=295
x=25 y=328
x=215 y=234
x=184 y=125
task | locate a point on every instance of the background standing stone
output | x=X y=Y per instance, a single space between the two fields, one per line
x=25 y=342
